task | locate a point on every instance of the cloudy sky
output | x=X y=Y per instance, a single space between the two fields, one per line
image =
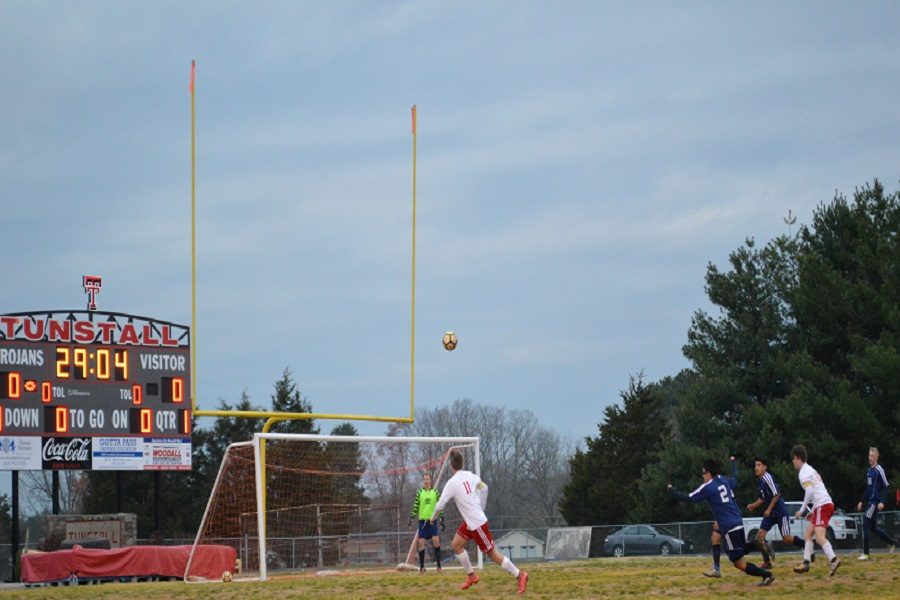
x=579 y=165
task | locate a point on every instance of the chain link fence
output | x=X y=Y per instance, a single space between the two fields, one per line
x=557 y=542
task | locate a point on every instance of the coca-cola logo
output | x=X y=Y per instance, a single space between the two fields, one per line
x=68 y=450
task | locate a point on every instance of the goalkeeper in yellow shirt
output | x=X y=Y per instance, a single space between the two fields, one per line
x=422 y=509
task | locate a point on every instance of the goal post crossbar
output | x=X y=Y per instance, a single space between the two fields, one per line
x=362 y=438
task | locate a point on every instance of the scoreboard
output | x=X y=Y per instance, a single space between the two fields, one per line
x=96 y=390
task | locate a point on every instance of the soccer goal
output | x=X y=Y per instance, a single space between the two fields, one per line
x=290 y=503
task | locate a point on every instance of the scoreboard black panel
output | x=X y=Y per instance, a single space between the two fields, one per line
x=90 y=373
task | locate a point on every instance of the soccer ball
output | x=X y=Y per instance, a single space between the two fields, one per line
x=226 y=576
x=449 y=341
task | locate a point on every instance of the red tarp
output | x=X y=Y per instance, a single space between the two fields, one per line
x=209 y=562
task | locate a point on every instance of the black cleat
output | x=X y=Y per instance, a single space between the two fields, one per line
x=835 y=563
x=766 y=581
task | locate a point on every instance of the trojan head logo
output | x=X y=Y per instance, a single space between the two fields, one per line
x=92 y=288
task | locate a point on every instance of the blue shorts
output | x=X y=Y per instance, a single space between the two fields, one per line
x=783 y=523
x=427 y=530
x=734 y=543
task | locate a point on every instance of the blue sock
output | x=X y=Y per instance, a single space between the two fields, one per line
x=717 y=555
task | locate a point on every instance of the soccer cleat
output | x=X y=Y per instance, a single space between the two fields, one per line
x=812 y=557
x=766 y=565
x=766 y=581
x=471 y=579
x=835 y=563
x=802 y=568
x=421 y=570
x=523 y=579
x=439 y=570
x=891 y=548
x=712 y=573
x=863 y=557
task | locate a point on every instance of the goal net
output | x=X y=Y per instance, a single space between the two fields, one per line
x=290 y=503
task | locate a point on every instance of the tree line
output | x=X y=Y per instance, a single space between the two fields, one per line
x=803 y=347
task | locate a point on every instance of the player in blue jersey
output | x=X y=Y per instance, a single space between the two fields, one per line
x=774 y=512
x=715 y=538
x=719 y=495
x=873 y=501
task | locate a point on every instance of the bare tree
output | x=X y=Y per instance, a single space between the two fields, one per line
x=524 y=464
x=38 y=492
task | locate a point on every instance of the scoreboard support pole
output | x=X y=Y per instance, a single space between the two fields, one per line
x=54 y=492
x=119 y=491
x=14 y=534
x=156 y=486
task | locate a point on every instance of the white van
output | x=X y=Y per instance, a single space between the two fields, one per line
x=841 y=526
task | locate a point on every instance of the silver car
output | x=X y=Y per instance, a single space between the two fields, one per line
x=645 y=539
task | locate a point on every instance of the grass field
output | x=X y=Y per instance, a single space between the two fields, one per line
x=596 y=578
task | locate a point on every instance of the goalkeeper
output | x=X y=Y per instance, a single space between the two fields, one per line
x=422 y=509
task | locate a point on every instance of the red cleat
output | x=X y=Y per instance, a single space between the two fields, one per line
x=471 y=579
x=523 y=579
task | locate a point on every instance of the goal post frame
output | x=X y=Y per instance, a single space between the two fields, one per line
x=260 y=475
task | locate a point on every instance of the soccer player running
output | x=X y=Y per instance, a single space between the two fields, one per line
x=775 y=511
x=873 y=501
x=423 y=507
x=715 y=538
x=718 y=493
x=819 y=516
x=470 y=495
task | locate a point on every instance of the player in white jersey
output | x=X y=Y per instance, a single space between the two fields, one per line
x=470 y=494
x=816 y=496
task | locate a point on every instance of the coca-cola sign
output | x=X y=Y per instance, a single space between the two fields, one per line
x=66 y=453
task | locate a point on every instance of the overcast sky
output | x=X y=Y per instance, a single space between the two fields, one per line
x=579 y=165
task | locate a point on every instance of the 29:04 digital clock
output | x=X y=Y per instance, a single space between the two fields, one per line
x=80 y=362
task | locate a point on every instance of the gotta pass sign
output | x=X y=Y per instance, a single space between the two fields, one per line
x=84 y=374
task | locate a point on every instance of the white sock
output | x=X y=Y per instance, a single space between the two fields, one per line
x=828 y=550
x=509 y=567
x=808 y=550
x=465 y=562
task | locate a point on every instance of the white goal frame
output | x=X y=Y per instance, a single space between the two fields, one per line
x=259 y=453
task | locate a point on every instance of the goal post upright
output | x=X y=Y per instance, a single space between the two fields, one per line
x=478 y=472
x=260 y=471
x=412 y=336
